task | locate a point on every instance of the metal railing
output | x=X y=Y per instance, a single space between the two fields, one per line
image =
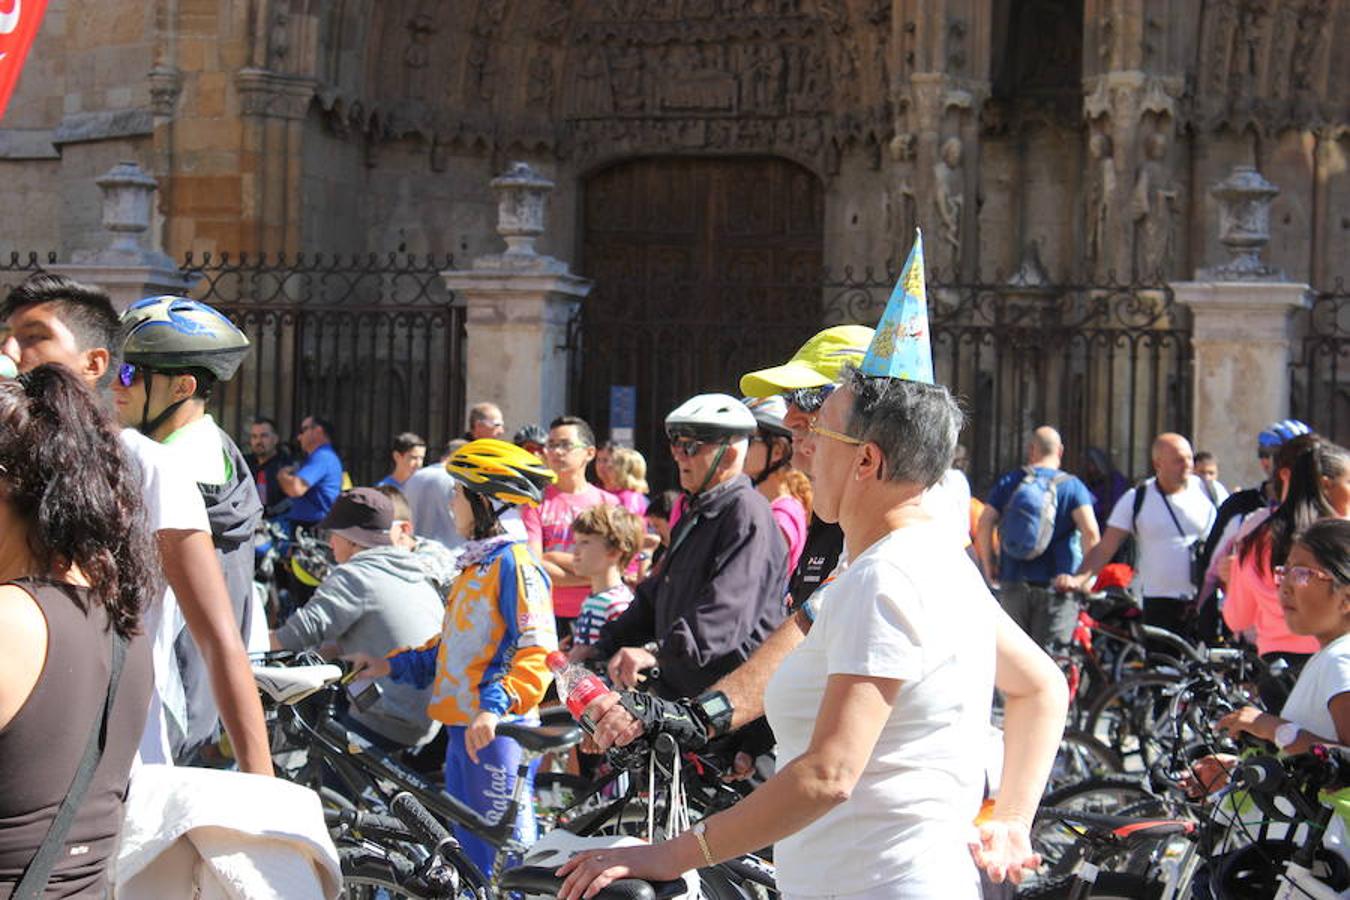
x=1320 y=371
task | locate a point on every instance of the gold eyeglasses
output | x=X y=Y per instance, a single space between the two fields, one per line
x=835 y=435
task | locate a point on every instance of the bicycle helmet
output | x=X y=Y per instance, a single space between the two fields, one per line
x=1278 y=432
x=711 y=417
x=530 y=434
x=172 y=333
x=500 y=471
x=769 y=413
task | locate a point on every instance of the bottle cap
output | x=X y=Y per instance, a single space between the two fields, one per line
x=556 y=661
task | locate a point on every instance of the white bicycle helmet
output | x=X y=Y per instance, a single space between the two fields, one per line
x=711 y=417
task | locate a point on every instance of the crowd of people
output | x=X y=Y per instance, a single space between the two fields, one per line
x=821 y=599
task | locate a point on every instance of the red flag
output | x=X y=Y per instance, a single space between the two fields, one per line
x=19 y=21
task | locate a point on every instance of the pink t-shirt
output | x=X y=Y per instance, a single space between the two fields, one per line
x=1252 y=599
x=632 y=501
x=790 y=515
x=550 y=524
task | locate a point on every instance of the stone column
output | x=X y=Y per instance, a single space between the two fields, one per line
x=1242 y=312
x=129 y=268
x=518 y=305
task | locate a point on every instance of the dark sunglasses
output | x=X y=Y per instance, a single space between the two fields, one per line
x=686 y=447
x=128 y=374
x=809 y=400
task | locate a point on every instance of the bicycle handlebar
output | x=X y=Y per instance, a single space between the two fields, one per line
x=419 y=820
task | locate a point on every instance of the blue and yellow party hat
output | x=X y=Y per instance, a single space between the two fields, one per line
x=901 y=347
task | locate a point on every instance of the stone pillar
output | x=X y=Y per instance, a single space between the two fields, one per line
x=129 y=268
x=518 y=305
x=1242 y=337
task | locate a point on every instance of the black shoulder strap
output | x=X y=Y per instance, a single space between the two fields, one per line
x=1140 y=495
x=35 y=877
x=1181 y=531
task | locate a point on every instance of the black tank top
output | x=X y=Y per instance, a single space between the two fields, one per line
x=40 y=748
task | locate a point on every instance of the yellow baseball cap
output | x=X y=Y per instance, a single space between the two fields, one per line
x=819 y=362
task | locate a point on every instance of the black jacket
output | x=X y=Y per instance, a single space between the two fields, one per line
x=715 y=597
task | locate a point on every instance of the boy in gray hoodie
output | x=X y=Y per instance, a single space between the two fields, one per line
x=386 y=592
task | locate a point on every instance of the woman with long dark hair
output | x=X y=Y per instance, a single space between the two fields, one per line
x=1309 y=468
x=76 y=569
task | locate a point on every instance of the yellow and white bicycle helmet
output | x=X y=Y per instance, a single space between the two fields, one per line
x=501 y=471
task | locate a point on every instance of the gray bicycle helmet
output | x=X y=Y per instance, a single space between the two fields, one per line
x=170 y=334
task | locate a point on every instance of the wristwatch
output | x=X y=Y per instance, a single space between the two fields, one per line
x=1286 y=735
x=713 y=710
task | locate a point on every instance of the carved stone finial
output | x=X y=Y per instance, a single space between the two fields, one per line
x=521 y=202
x=1244 y=199
x=127 y=192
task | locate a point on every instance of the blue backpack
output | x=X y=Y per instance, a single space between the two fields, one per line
x=1027 y=520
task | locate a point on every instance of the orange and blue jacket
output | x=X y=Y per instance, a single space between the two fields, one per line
x=498 y=629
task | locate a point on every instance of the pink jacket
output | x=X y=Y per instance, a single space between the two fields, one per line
x=1252 y=599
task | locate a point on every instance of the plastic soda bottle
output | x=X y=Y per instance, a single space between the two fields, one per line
x=577 y=685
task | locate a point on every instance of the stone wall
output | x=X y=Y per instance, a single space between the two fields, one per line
x=281 y=125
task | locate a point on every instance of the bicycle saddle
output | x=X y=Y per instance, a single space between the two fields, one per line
x=291 y=684
x=538 y=739
x=540 y=881
x=555 y=715
x=1121 y=827
x=535 y=875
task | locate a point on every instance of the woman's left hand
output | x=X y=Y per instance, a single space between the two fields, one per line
x=1251 y=720
x=591 y=870
x=1004 y=850
x=481 y=732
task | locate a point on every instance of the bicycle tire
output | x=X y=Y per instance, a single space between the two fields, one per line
x=1081 y=757
x=1108 y=794
x=1128 y=717
x=1109 y=886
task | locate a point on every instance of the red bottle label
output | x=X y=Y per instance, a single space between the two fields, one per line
x=586 y=691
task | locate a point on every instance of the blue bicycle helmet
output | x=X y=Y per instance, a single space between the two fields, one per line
x=1277 y=433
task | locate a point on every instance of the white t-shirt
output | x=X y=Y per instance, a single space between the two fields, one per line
x=200 y=452
x=1325 y=675
x=1164 y=563
x=912 y=608
x=949 y=502
x=172 y=503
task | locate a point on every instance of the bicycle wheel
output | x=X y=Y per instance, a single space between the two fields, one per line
x=1105 y=794
x=1131 y=718
x=1081 y=756
x=1109 y=886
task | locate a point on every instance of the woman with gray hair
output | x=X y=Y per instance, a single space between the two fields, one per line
x=882 y=713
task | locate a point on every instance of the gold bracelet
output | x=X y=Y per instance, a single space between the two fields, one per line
x=699 y=830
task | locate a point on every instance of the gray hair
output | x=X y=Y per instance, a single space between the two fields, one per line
x=915 y=425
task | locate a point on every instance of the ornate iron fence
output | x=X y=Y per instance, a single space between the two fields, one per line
x=15 y=268
x=374 y=344
x=1320 y=372
x=1109 y=365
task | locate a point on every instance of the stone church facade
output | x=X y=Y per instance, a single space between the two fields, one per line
x=698 y=141
x=1092 y=128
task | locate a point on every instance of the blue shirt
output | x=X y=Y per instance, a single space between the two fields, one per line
x=322 y=471
x=1065 y=552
